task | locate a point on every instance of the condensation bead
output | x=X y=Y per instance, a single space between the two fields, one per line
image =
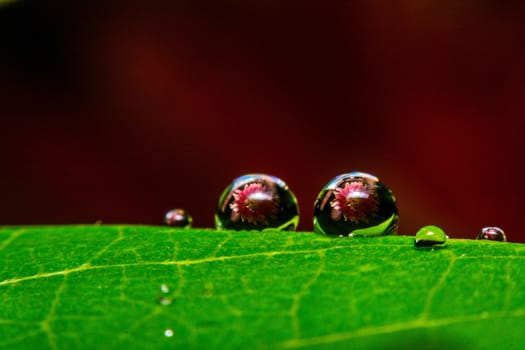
x=178 y=218
x=492 y=233
x=430 y=237
x=355 y=204
x=257 y=202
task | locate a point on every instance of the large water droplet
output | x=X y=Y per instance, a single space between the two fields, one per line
x=257 y=202
x=492 y=233
x=355 y=204
x=430 y=237
x=168 y=333
x=178 y=218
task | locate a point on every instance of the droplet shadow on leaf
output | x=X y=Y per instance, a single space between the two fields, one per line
x=208 y=290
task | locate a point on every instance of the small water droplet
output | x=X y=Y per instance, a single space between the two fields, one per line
x=492 y=233
x=178 y=218
x=356 y=203
x=257 y=202
x=168 y=333
x=164 y=288
x=430 y=237
x=164 y=299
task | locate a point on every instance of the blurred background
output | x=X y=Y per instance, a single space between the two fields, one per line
x=118 y=111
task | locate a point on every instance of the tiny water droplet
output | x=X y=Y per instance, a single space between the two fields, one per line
x=430 y=237
x=164 y=299
x=178 y=218
x=168 y=333
x=257 y=202
x=492 y=233
x=164 y=288
x=355 y=204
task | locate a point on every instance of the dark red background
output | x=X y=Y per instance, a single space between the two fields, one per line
x=118 y=111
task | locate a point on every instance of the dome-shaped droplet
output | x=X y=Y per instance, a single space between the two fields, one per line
x=178 y=218
x=355 y=204
x=257 y=202
x=430 y=237
x=492 y=233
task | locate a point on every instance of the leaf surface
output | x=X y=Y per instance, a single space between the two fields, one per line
x=86 y=287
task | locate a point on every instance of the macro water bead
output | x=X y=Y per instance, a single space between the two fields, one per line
x=430 y=237
x=257 y=202
x=178 y=218
x=355 y=204
x=492 y=234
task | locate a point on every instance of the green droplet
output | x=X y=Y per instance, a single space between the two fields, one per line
x=492 y=234
x=430 y=237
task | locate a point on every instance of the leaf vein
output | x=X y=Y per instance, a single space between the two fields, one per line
x=430 y=297
x=397 y=327
x=85 y=268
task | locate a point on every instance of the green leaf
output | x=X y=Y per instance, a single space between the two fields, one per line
x=90 y=287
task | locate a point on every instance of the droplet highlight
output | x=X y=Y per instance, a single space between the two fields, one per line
x=492 y=233
x=257 y=202
x=430 y=237
x=178 y=218
x=355 y=204
x=168 y=333
x=164 y=288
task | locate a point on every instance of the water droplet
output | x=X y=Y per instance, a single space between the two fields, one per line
x=164 y=288
x=178 y=218
x=430 y=237
x=492 y=233
x=257 y=202
x=168 y=333
x=355 y=204
x=164 y=299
